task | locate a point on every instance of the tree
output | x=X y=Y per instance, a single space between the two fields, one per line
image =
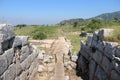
x=75 y=24
x=94 y=25
x=21 y=25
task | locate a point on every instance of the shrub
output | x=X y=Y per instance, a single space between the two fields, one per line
x=39 y=35
x=93 y=25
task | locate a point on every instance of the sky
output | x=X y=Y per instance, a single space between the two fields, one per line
x=53 y=11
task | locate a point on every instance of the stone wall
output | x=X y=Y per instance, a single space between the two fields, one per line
x=98 y=59
x=18 y=59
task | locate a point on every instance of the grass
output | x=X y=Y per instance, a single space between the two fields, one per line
x=56 y=31
x=53 y=32
x=75 y=41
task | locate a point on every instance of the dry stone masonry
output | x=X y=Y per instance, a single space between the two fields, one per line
x=98 y=59
x=18 y=59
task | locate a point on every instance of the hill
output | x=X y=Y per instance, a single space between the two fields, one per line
x=80 y=21
x=108 y=16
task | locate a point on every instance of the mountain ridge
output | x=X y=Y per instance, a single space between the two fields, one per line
x=104 y=16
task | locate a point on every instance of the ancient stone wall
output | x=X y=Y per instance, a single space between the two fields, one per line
x=18 y=59
x=98 y=59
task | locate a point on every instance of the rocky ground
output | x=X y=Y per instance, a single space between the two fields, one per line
x=47 y=62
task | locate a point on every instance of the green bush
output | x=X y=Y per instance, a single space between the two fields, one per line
x=39 y=35
x=93 y=25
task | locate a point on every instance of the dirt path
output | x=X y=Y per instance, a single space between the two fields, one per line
x=58 y=50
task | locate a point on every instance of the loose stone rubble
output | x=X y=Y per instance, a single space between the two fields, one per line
x=98 y=59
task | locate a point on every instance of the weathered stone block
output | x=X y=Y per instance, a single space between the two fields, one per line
x=83 y=64
x=89 y=40
x=100 y=46
x=18 y=69
x=34 y=55
x=97 y=56
x=17 y=78
x=32 y=66
x=100 y=74
x=9 y=54
x=114 y=75
x=1 y=50
x=25 y=53
x=95 y=36
x=10 y=74
x=85 y=51
x=117 y=52
x=5 y=45
x=92 y=69
x=24 y=75
x=3 y=64
x=17 y=41
x=109 y=52
x=107 y=65
x=24 y=40
x=6 y=32
x=94 y=43
x=116 y=65
x=26 y=63
x=105 y=32
x=85 y=54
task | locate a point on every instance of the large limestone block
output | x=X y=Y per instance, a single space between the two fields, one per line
x=85 y=51
x=89 y=41
x=34 y=55
x=95 y=36
x=83 y=64
x=25 y=53
x=1 y=50
x=18 y=68
x=17 y=78
x=117 y=52
x=32 y=66
x=109 y=48
x=24 y=75
x=17 y=41
x=97 y=56
x=24 y=40
x=10 y=74
x=26 y=63
x=116 y=65
x=3 y=64
x=20 y=41
x=105 y=32
x=114 y=75
x=100 y=74
x=9 y=54
x=100 y=46
x=94 y=43
x=92 y=69
x=107 y=65
x=6 y=32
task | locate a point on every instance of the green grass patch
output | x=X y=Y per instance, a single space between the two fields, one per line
x=75 y=41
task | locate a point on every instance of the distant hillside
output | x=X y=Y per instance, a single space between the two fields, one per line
x=72 y=21
x=108 y=16
x=105 y=16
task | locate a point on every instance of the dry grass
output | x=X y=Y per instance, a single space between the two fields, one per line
x=116 y=35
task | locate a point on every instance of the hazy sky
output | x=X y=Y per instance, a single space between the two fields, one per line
x=53 y=11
